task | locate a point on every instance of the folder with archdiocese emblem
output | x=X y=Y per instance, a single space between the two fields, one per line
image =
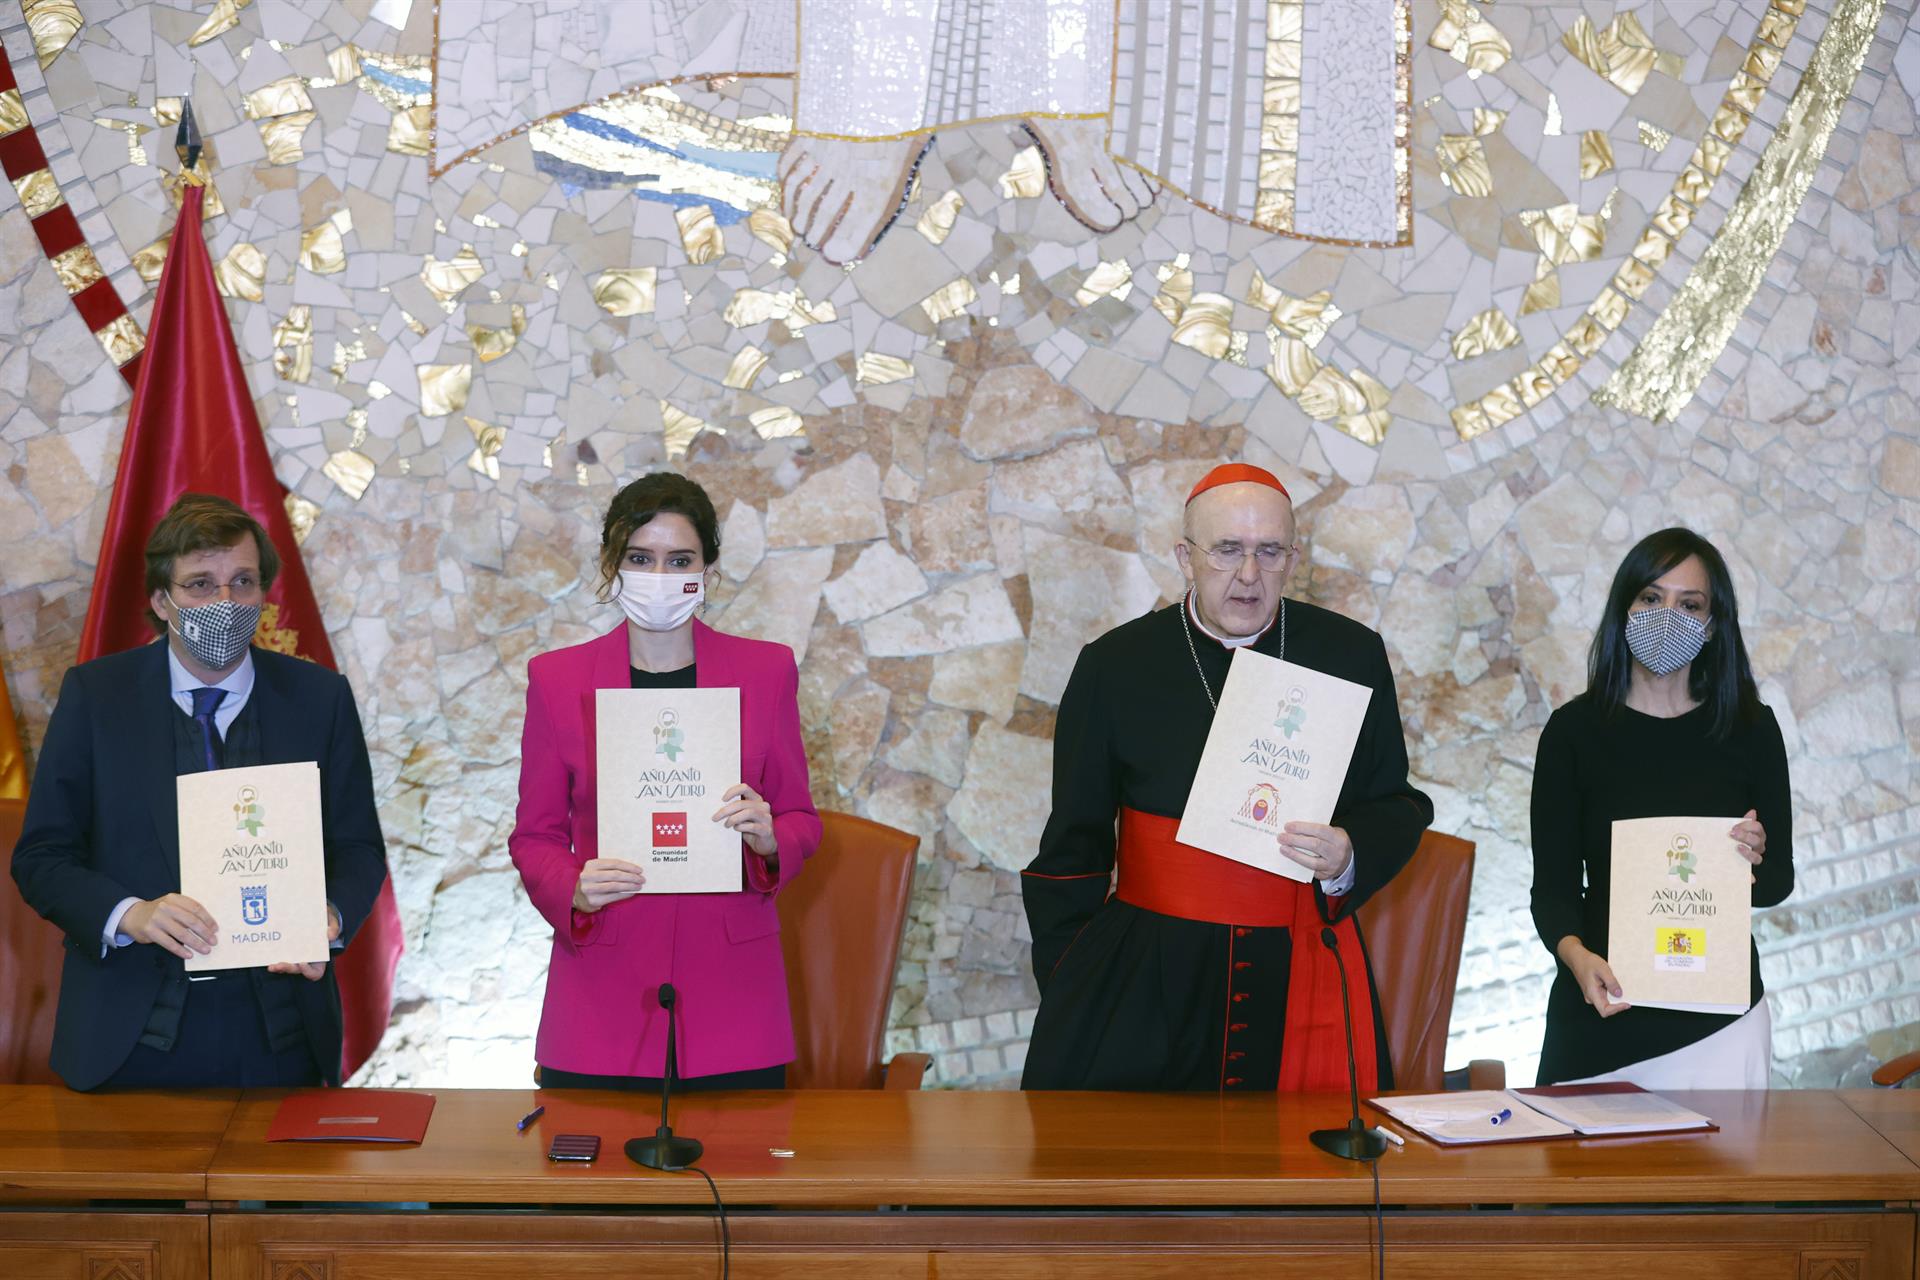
x=1278 y=752
x=665 y=757
x=251 y=853
x=1680 y=915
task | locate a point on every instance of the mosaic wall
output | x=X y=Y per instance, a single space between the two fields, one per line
x=1665 y=266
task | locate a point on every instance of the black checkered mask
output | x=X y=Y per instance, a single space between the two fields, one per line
x=216 y=633
x=1665 y=640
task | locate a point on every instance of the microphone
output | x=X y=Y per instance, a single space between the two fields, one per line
x=663 y=1150
x=1355 y=1141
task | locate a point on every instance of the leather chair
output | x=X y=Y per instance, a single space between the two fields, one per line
x=1898 y=1073
x=1414 y=929
x=30 y=958
x=840 y=926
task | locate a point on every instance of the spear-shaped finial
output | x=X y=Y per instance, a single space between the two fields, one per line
x=186 y=142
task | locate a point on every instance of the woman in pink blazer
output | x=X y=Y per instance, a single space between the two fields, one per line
x=602 y=1025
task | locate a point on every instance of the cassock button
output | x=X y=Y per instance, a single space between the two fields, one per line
x=1234 y=1081
x=1243 y=964
x=1236 y=1026
x=1236 y=1055
x=1238 y=996
x=1240 y=931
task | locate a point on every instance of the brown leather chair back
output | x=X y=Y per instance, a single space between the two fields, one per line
x=840 y=926
x=1414 y=929
x=29 y=973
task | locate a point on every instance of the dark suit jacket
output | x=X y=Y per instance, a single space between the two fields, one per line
x=101 y=825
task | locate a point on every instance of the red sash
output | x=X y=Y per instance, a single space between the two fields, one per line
x=1158 y=873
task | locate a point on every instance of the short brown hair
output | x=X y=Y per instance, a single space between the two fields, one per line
x=662 y=493
x=202 y=522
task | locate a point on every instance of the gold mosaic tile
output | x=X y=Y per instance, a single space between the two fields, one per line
x=744 y=368
x=1463 y=165
x=1108 y=279
x=1596 y=153
x=121 y=339
x=1468 y=38
x=1206 y=325
x=52 y=24
x=875 y=370
x=949 y=300
x=700 y=234
x=38 y=192
x=284 y=97
x=936 y=224
x=777 y=422
x=443 y=388
x=351 y=471
x=77 y=268
x=1027 y=177
x=1488 y=331
x=284 y=137
x=410 y=133
x=1621 y=52
x=13 y=113
x=771 y=228
x=447 y=279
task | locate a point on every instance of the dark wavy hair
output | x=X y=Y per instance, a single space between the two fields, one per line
x=202 y=522
x=1720 y=676
x=661 y=493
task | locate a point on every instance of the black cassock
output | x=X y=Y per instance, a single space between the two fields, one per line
x=1132 y=998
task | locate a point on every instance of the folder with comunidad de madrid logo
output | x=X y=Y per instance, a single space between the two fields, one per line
x=664 y=759
x=1680 y=915
x=1278 y=752
x=252 y=854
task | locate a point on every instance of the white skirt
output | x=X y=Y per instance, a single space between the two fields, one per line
x=1738 y=1056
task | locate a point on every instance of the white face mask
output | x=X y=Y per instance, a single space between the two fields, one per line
x=660 y=601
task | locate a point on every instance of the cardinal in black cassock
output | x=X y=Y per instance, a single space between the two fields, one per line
x=1192 y=971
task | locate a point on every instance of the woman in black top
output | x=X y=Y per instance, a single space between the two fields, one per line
x=1670 y=724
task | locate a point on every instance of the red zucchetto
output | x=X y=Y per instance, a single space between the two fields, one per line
x=1238 y=473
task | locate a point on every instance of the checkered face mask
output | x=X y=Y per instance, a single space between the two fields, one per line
x=216 y=633
x=1665 y=640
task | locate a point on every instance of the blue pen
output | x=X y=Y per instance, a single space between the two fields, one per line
x=1501 y=1116
x=535 y=1114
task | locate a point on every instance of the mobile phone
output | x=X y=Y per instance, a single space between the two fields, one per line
x=583 y=1147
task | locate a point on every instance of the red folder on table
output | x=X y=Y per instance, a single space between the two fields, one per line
x=352 y=1115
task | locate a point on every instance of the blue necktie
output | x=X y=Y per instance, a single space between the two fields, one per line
x=205 y=701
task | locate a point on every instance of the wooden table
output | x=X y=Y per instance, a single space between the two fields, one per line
x=1800 y=1185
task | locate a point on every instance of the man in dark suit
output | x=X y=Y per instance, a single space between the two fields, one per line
x=99 y=851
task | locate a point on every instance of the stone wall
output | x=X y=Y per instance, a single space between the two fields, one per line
x=944 y=470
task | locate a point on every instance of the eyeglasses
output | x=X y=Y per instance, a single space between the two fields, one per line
x=1227 y=557
x=244 y=588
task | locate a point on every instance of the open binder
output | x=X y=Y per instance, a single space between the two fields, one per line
x=1478 y=1117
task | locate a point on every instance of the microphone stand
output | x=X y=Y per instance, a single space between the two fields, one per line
x=664 y=1151
x=1354 y=1141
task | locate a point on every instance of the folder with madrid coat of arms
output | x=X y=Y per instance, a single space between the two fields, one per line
x=663 y=759
x=1680 y=919
x=252 y=854
x=1277 y=753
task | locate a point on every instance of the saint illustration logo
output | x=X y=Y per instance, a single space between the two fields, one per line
x=669 y=739
x=1680 y=859
x=1292 y=716
x=670 y=830
x=1262 y=805
x=253 y=903
x=249 y=815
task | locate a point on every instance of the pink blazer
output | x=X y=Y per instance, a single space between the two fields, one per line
x=721 y=951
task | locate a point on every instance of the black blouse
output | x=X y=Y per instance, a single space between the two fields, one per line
x=1592 y=769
